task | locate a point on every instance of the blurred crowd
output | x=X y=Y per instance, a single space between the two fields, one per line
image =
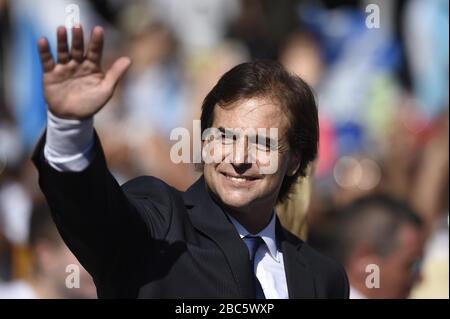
x=376 y=198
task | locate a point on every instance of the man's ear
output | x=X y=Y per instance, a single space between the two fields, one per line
x=294 y=164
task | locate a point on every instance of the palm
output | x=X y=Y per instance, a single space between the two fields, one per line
x=72 y=90
x=76 y=87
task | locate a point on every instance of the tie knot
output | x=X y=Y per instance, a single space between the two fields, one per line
x=253 y=243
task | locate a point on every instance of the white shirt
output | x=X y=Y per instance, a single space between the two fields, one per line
x=68 y=148
x=269 y=263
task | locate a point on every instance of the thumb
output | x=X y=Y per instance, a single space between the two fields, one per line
x=117 y=70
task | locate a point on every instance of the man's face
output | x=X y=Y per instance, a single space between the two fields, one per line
x=400 y=270
x=239 y=177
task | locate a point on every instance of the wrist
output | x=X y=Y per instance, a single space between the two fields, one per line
x=69 y=136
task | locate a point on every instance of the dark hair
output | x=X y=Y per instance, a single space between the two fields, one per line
x=374 y=219
x=268 y=79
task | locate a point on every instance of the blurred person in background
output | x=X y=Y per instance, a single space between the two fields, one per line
x=430 y=197
x=199 y=25
x=48 y=270
x=154 y=98
x=382 y=231
x=300 y=55
x=28 y=19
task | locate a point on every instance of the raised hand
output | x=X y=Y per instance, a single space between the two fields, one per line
x=75 y=86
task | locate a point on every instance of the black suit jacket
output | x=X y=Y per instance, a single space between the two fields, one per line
x=149 y=240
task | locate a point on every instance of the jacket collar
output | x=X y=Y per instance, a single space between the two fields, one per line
x=299 y=274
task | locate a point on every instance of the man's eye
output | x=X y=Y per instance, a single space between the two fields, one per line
x=263 y=147
x=211 y=138
x=227 y=139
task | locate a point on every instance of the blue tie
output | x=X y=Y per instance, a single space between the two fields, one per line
x=253 y=244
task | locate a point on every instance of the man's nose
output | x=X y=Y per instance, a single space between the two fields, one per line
x=240 y=152
x=241 y=162
x=241 y=168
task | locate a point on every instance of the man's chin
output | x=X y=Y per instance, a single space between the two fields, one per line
x=237 y=202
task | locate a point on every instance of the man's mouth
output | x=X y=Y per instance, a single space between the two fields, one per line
x=240 y=178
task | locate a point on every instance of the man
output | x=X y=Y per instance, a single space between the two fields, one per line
x=380 y=241
x=220 y=238
x=53 y=266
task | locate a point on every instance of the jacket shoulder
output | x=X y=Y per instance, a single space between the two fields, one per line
x=155 y=201
x=147 y=186
x=330 y=276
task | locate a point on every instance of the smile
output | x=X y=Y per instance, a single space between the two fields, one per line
x=240 y=179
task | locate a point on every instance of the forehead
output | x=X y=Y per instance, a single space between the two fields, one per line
x=251 y=113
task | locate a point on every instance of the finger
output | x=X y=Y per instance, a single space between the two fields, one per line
x=95 y=47
x=115 y=73
x=63 y=48
x=77 y=52
x=45 y=55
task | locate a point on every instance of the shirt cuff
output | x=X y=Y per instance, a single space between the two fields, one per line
x=69 y=143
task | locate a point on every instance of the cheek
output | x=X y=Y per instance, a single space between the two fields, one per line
x=274 y=182
x=269 y=162
x=276 y=173
x=211 y=176
x=214 y=152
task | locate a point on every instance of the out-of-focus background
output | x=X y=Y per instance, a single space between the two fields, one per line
x=380 y=70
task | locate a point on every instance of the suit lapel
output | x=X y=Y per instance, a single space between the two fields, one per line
x=208 y=218
x=299 y=275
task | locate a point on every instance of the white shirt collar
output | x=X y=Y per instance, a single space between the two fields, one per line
x=267 y=234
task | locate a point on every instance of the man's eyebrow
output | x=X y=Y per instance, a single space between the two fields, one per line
x=258 y=138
